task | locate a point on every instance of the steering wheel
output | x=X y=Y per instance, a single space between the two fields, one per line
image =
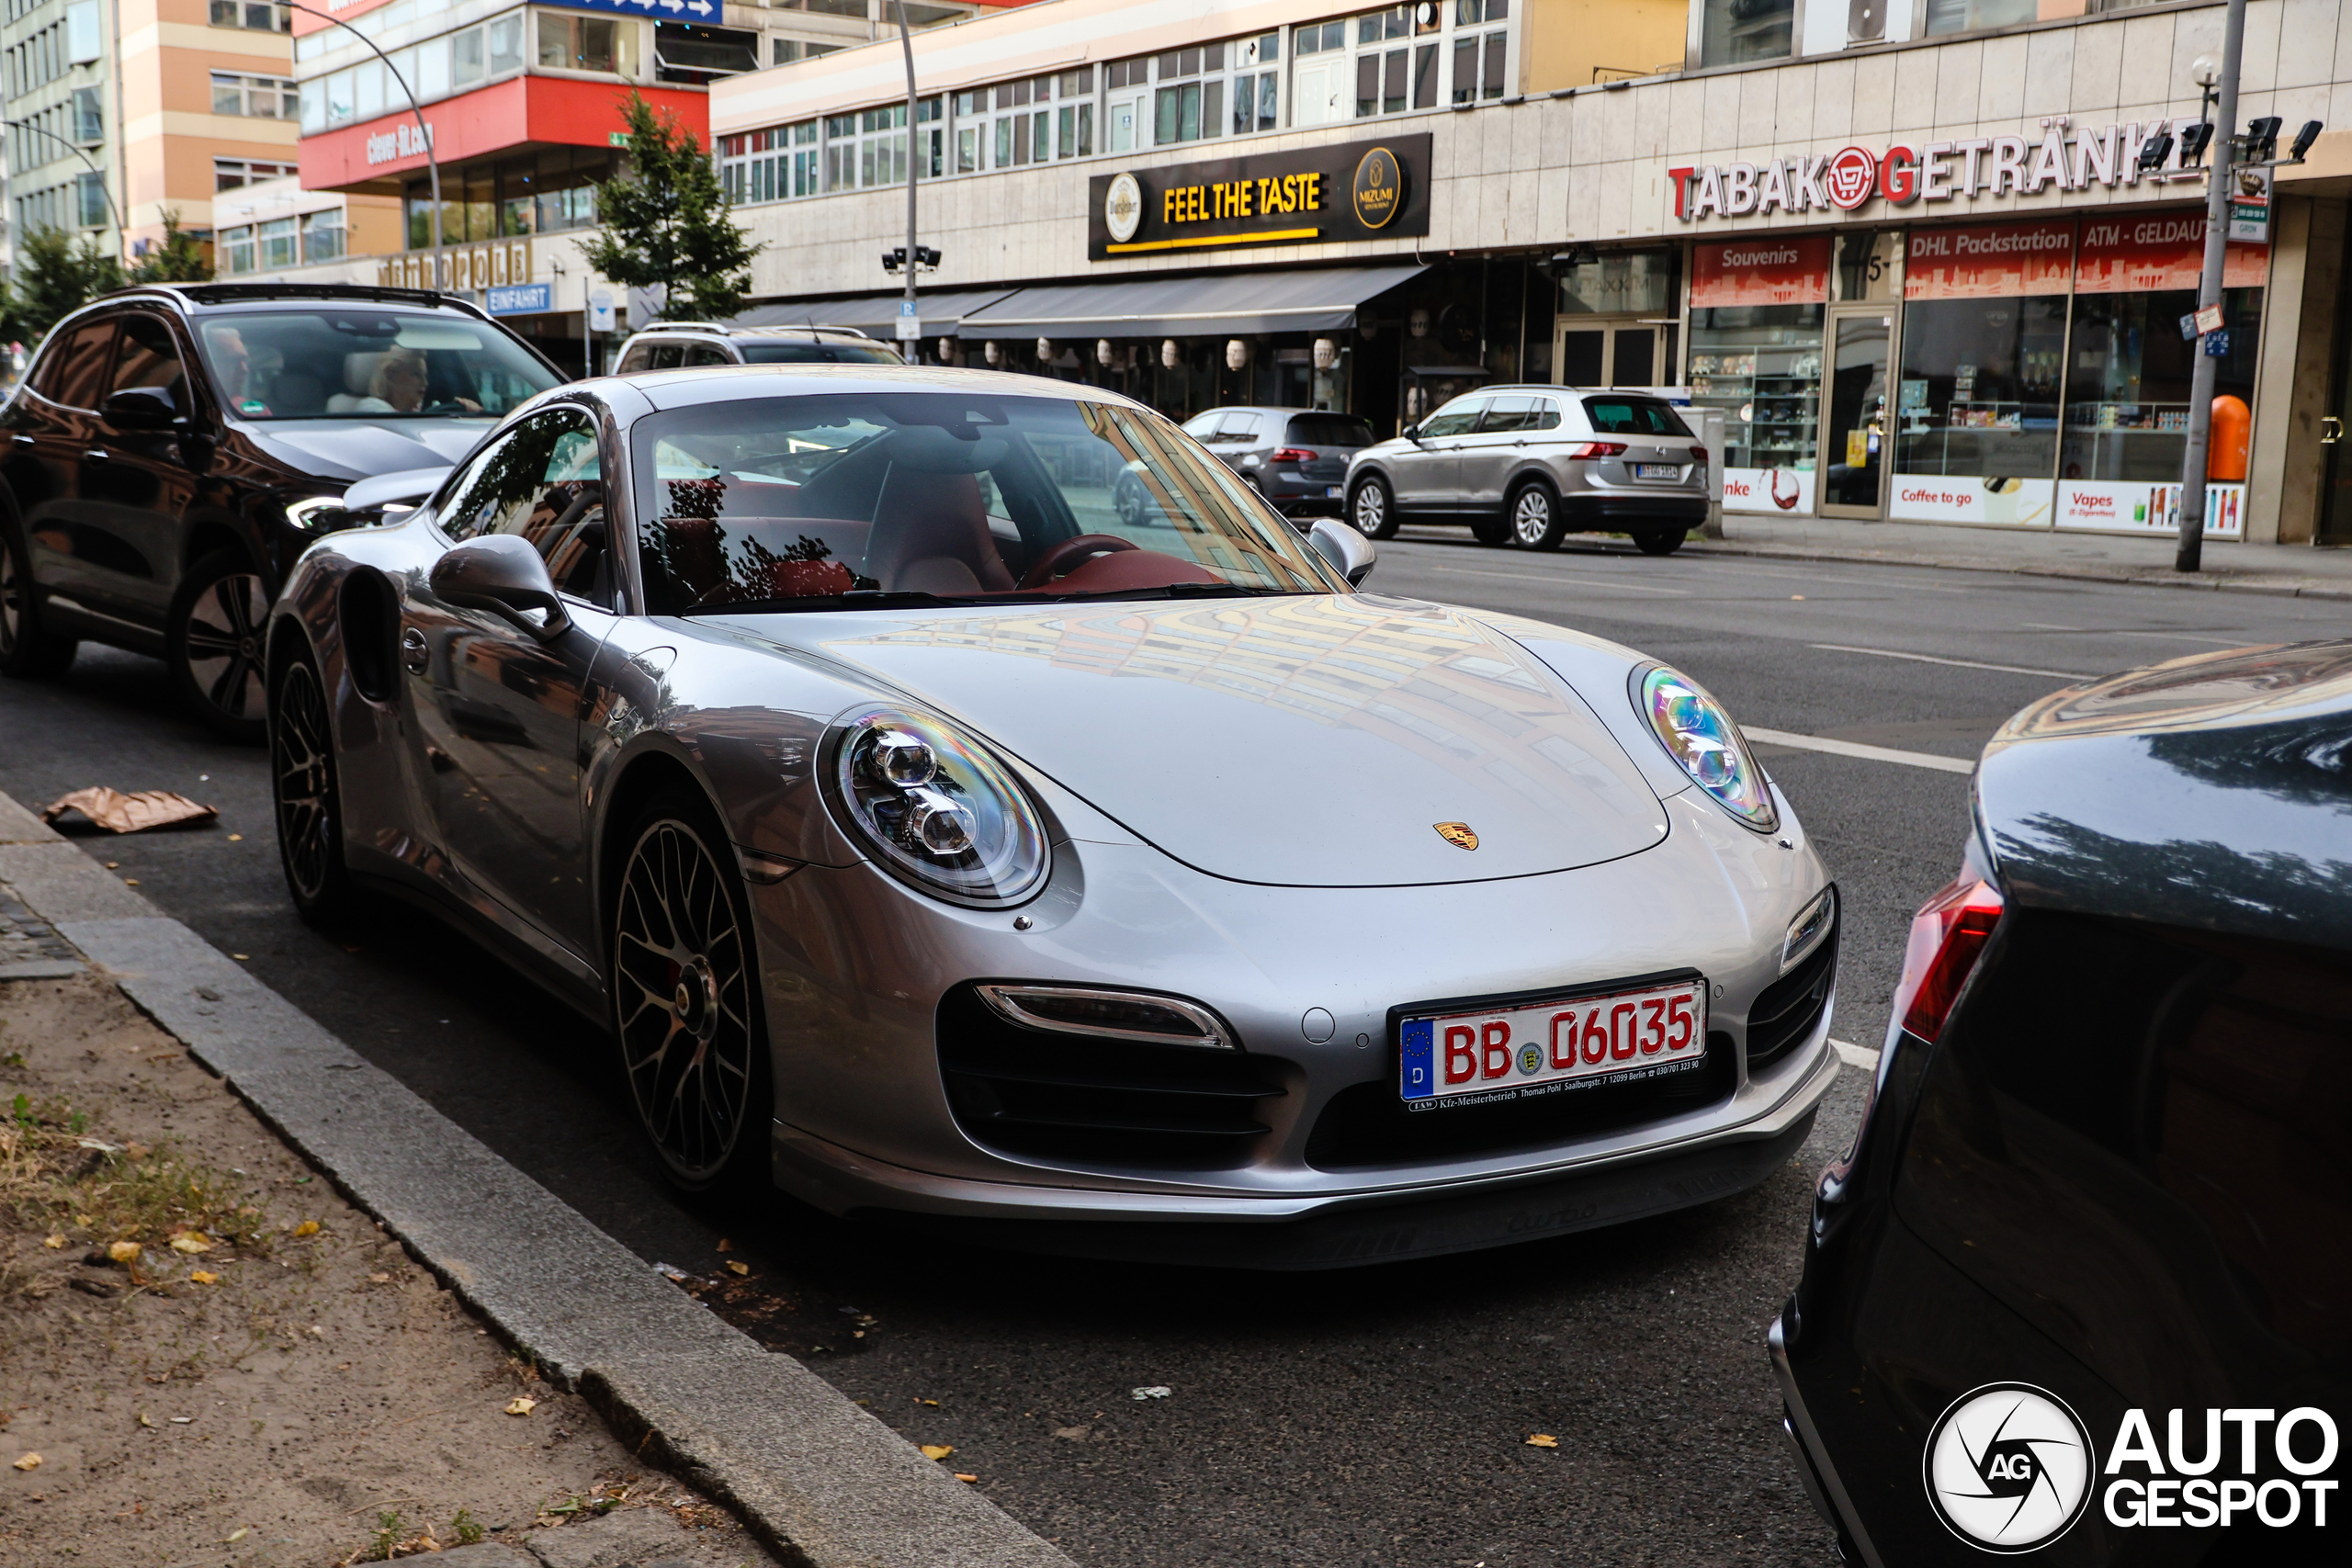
x=1060 y=559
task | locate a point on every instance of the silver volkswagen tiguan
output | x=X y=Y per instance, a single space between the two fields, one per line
x=1527 y=465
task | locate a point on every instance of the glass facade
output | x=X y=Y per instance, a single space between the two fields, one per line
x=1760 y=365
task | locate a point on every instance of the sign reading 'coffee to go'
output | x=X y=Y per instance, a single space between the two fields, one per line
x=1310 y=196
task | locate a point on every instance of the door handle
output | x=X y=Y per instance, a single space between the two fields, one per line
x=97 y=457
x=2331 y=431
x=24 y=441
x=414 y=652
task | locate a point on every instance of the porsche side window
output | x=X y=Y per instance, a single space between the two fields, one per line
x=542 y=483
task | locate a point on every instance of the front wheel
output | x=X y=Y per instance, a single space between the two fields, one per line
x=309 y=808
x=212 y=642
x=685 y=991
x=1535 y=520
x=25 y=651
x=1659 y=541
x=1372 y=508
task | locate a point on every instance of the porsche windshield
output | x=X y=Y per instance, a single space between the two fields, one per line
x=891 y=497
x=331 y=363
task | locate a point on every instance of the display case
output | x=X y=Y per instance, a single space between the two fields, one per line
x=1771 y=395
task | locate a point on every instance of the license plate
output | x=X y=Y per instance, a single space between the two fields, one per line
x=1486 y=1054
x=1332 y=492
x=1657 y=470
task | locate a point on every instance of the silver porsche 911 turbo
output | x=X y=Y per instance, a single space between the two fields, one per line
x=940 y=840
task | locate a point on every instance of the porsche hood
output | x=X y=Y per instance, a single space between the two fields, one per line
x=1327 y=742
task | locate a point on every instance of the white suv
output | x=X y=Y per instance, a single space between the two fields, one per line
x=666 y=346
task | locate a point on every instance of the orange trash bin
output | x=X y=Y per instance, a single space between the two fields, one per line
x=2225 y=448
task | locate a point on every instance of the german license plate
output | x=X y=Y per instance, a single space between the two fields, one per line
x=1333 y=493
x=1518 y=1051
x=1657 y=470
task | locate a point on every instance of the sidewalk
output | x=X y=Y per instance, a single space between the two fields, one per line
x=2299 y=571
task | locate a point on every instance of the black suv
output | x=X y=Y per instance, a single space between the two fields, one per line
x=173 y=449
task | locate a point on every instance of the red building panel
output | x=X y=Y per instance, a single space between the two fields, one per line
x=522 y=111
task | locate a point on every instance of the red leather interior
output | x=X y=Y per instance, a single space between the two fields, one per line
x=927 y=525
x=1126 y=569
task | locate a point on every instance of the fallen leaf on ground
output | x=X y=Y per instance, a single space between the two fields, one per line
x=724 y=1245
x=521 y=1404
x=937 y=1450
x=119 y=813
x=307 y=1227
x=191 y=1242
x=1073 y=1434
x=56 y=1239
x=236 y=839
x=145 y=1421
x=933 y=1402
x=1155 y=1392
x=237 y=1535
x=124 y=1252
x=1543 y=1440
x=205 y=1276
x=968 y=1479
x=30 y=1461
x=739 y=1268
x=379 y=1279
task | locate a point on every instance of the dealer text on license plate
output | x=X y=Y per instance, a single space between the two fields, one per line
x=1518 y=1051
x=1657 y=470
x=1333 y=491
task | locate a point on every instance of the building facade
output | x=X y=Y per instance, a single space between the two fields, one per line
x=1908 y=249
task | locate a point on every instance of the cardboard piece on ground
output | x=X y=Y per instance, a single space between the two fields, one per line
x=119 y=813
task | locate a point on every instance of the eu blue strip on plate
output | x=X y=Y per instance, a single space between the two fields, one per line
x=1416 y=1080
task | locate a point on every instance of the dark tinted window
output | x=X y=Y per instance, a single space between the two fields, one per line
x=667 y=356
x=1240 y=426
x=1328 y=430
x=703 y=353
x=639 y=356
x=1634 y=416
x=149 y=357
x=799 y=352
x=334 y=362
x=72 y=373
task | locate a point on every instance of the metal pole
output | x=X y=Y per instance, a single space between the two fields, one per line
x=121 y=235
x=431 y=163
x=913 y=349
x=2209 y=293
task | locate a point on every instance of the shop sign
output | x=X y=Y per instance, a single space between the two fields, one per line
x=520 y=300
x=1968 y=498
x=402 y=140
x=2250 y=205
x=1989 y=261
x=1761 y=271
x=2137 y=255
x=2128 y=507
x=1308 y=196
x=1769 y=490
x=1849 y=178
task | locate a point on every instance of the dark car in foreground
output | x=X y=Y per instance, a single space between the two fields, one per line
x=2082 y=1288
x=174 y=448
x=1296 y=458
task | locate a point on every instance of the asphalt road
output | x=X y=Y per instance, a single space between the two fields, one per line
x=1376 y=1416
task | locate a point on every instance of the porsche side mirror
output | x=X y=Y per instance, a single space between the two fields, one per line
x=502 y=573
x=141 y=408
x=1344 y=549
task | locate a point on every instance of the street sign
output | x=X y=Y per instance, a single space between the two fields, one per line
x=2250 y=206
x=2209 y=318
x=703 y=11
x=599 y=311
x=521 y=298
x=2189 y=328
x=909 y=328
x=2217 y=346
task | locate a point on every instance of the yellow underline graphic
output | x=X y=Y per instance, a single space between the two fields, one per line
x=1264 y=239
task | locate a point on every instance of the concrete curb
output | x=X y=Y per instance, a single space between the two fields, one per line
x=821 y=1481
x=2125 y=576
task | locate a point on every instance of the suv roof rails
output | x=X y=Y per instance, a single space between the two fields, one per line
x=659 y=325
x=234 y=293
x=723 y=330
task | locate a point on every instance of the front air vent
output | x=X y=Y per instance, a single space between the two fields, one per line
x=1054 y=1094
x=1787 y=1011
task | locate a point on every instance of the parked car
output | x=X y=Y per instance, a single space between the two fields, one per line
x=1296 y=458
x=670 y=346
x=929 y=835
x=174 y=448
x=2082 y=1284
x=1527 y=466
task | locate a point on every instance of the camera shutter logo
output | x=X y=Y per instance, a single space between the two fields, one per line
x=1379 y=188
x=1852 y=177
x=2008 y=1467
x=1123 y=207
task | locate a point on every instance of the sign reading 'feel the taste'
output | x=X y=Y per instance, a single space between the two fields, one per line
x=1308 y=196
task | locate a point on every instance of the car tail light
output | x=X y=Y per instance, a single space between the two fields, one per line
x=1291 y=455
x=1598 y=449
x=1700 y=453
x=1947 y=936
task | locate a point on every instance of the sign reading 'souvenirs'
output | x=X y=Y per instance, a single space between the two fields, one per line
x=1309 y=195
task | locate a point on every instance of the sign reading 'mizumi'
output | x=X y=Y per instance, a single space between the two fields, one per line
x=1308 y=195
x=2063 y=159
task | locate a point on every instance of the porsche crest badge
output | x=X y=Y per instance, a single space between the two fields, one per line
x=1458 y=834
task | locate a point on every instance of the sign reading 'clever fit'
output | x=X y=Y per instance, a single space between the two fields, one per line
x=1310 y=196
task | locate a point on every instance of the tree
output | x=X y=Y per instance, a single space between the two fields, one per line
x=665 y=222
x=55 y=277
x=179 y=259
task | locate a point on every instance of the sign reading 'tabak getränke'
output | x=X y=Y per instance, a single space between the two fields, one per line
x=2063 y=159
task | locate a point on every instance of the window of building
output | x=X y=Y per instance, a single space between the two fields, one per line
x=1074 y=121
x=237 y=249
x=254 y=97
x=1392 y=71
x=587 y=43
x=1023 y=129
x=1968 y=15
x=1257 y=83
x=1320 y=81
x=770 y=165
x=258 y=15
x=784 y=51
x=866 y=149
x=229 y=173
x=1733 y=32
x=275 y=243
x=1127 y=104
x=695 y=56
x=322 y=236
x=1479 y=55
x=90 y=202
x=82 y=33
x=1190 y=99
x=89 y=116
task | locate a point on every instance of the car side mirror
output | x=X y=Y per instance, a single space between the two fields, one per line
x=141 y=408
x=1344 y=549
x=499 y=571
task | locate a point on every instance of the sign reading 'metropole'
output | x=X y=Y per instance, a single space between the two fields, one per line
x=1311 y=196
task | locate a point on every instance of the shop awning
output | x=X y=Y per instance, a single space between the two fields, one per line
x=876 y=314
x=1323 y=300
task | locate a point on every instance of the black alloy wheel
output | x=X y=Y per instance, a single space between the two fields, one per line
x=213 y=644
x=1659 y=541
x=1535 y=520
x=1372 y=509
x=25 y=649
x=302 y=780
x=685 y=999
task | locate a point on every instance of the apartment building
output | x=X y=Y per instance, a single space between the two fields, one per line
x=1907 y=246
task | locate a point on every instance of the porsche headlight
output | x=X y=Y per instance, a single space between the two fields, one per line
x=937 y=811
x=1698 y=734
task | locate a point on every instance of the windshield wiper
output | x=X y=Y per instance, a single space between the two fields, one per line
x=855 y=599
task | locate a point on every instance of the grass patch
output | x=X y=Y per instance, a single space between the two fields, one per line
x=53 y=1176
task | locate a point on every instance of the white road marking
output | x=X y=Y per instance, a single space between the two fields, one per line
x=1860 y=1057
x=1956 y=663
x=1535 y=577
x=1856 y=749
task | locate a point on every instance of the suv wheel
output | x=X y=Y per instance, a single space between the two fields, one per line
x=1372 y=508
x=1659 y=541
x=212 y=642
x=25 y=648
x=1535 y=520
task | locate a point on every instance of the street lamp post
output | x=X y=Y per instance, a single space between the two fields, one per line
x=121 y=235
x=432 y=161
x=2188 y=556
x=913 y=349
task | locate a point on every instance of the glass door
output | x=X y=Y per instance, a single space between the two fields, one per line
x=1855 y=433
x=1607 y=354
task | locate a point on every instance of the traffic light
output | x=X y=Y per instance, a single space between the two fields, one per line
x=2194 y=140
x=2262 y=139
x=2303 y=139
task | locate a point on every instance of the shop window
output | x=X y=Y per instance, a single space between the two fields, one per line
x=1621 y=283
x=1734 y=32
x=2127 y=398
x=1977 y=404
x=1761 y=365
x=1187 y=105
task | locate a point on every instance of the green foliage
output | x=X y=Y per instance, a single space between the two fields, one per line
x=55 y=277
x=179 y=259
x=665 y=222
x=467 y=1528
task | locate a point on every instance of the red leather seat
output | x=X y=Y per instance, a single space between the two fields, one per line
x=930 y=535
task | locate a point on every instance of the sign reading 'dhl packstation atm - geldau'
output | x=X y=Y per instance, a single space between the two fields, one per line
x=1310 y=196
